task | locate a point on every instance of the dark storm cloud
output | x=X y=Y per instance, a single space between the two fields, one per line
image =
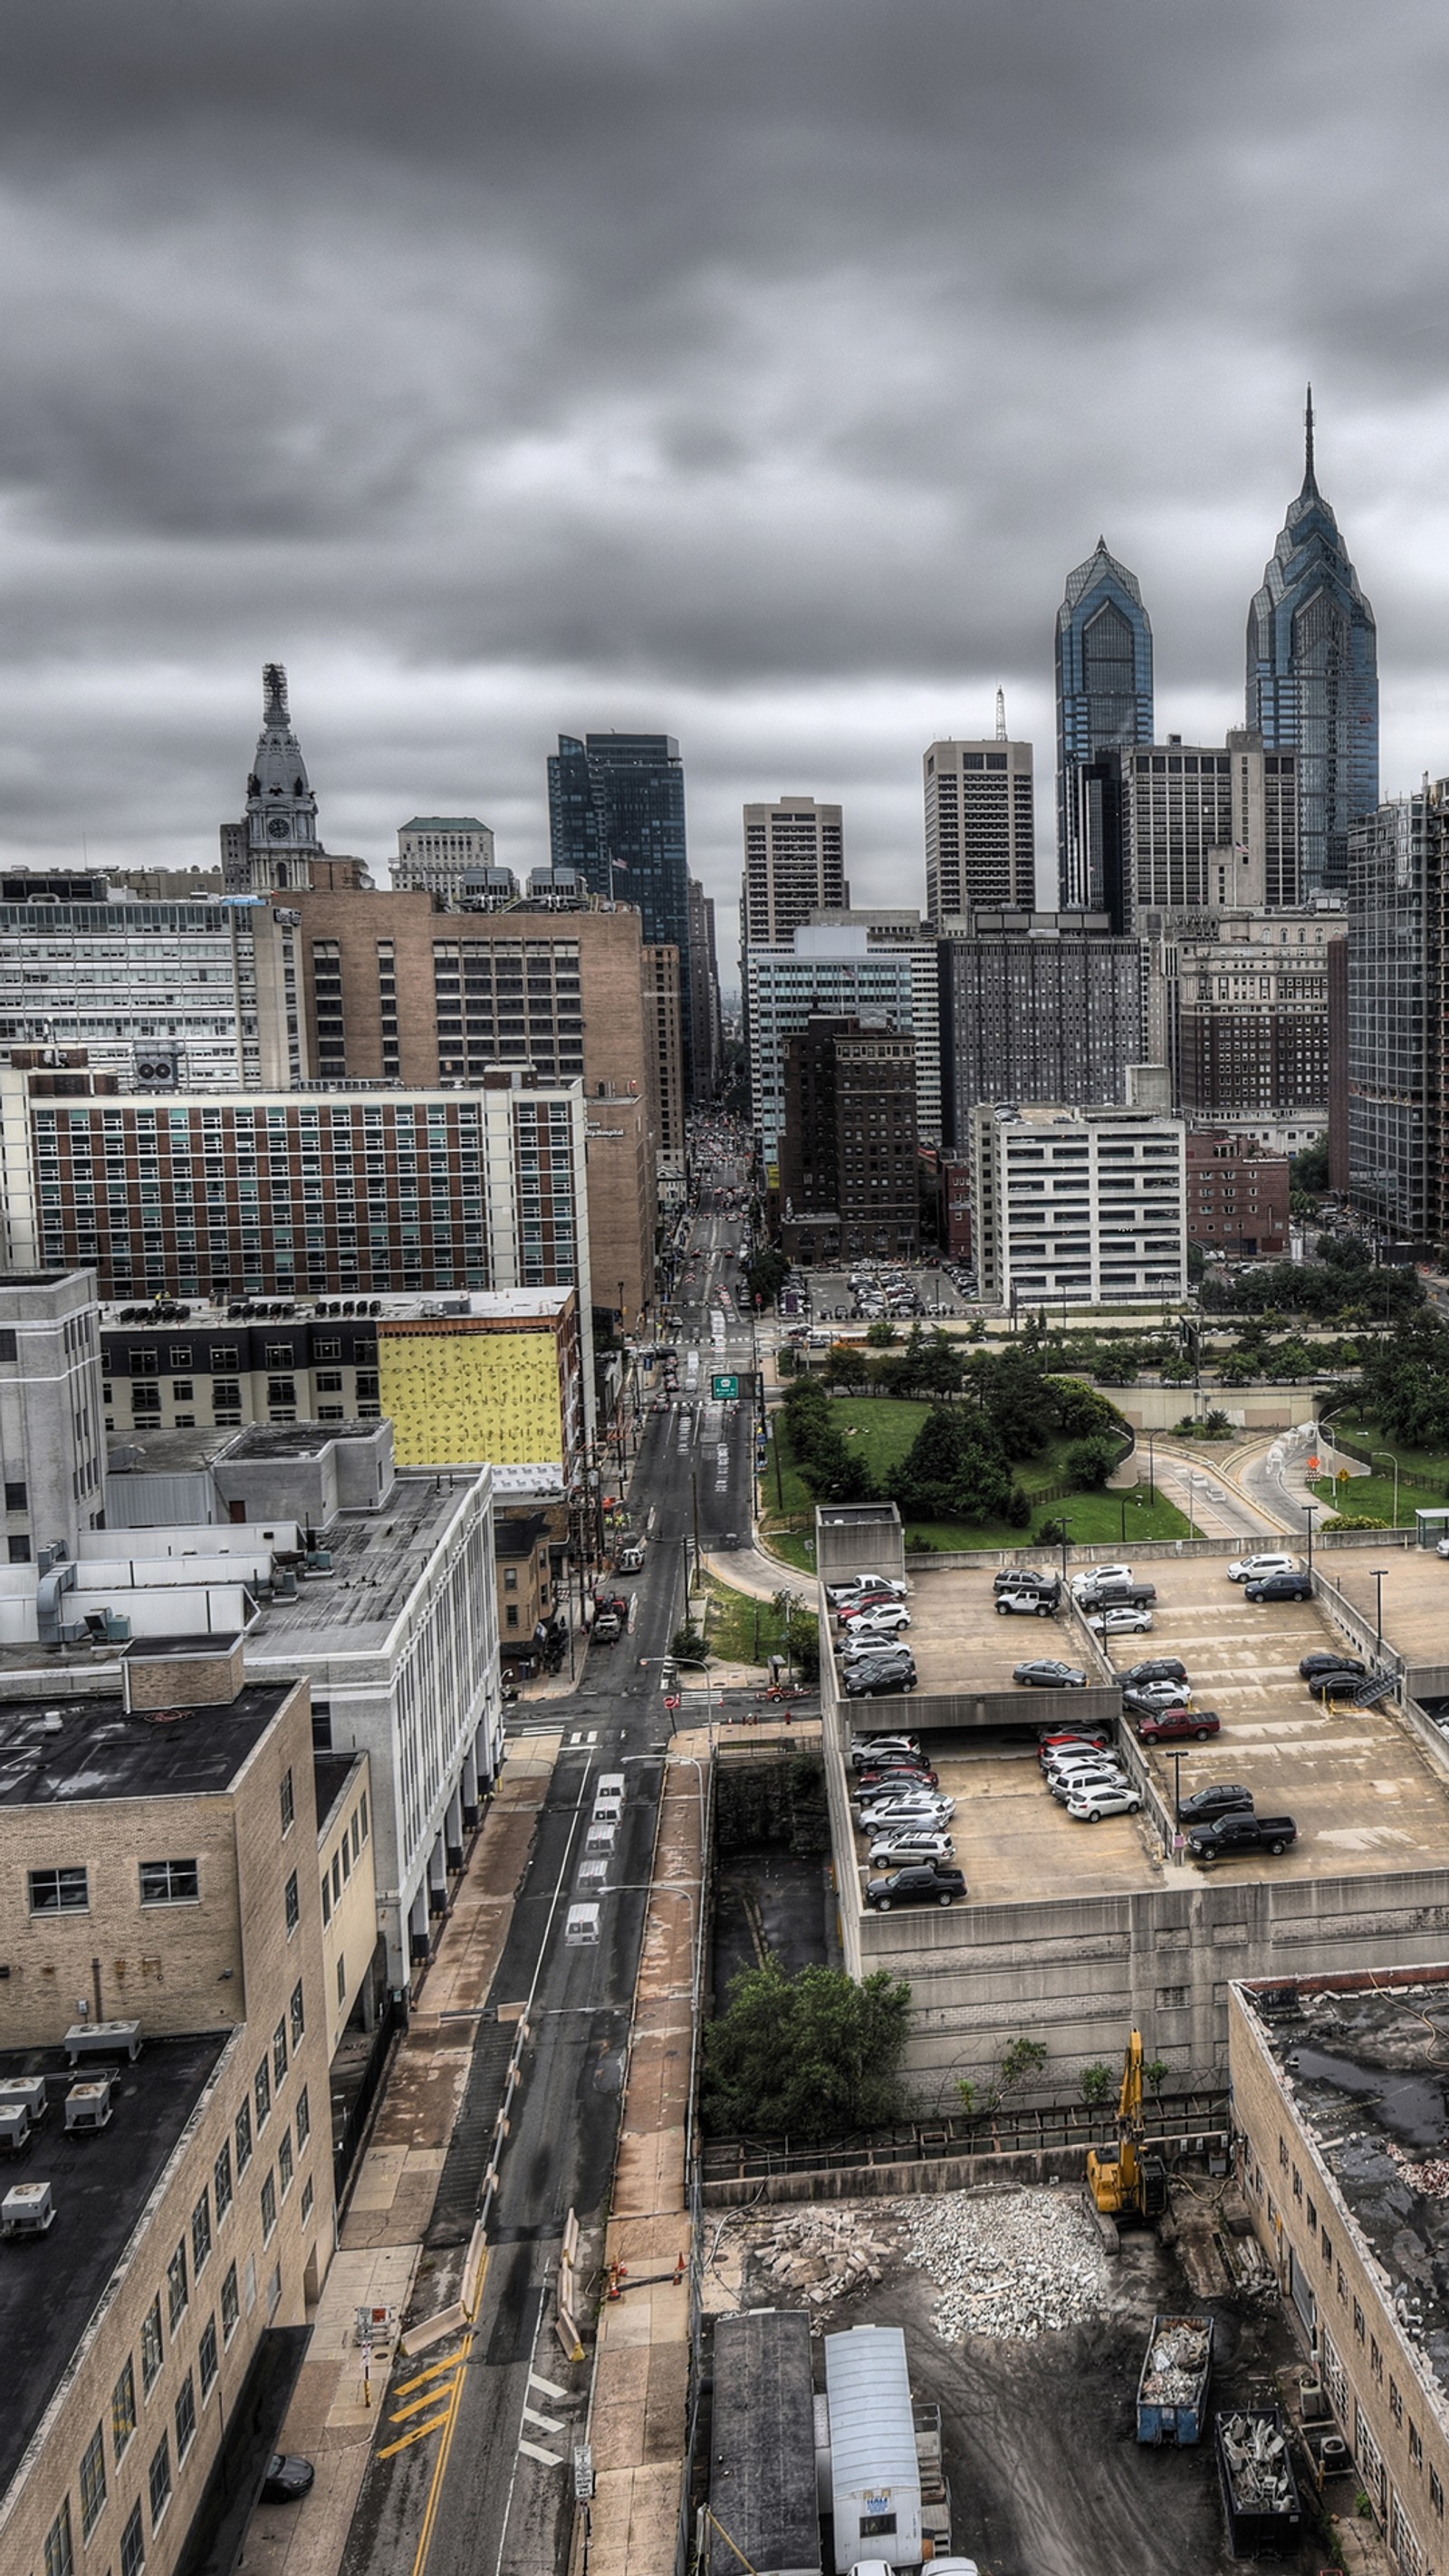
x=751 y=371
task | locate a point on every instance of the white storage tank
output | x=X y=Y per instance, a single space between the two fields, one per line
x=875 y=2474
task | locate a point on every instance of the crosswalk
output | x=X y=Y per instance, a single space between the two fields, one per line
x=553 y=2425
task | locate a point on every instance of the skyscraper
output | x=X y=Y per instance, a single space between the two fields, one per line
x=980 y=834
x=1313 y=683
x=1104 y=704
x=616 y=814
x=277 y=841
x=794 y=865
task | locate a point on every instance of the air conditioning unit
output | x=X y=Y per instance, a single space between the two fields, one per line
x=26 y=2091
x=158 y=1067
x=27 y=2210
x=88 y=2105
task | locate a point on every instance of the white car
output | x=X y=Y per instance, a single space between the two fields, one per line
x=1122 y=1622
x=879 y=1623
x=913 y=1843
x=1093 y=1804
x=1092 y=1575
x=840 y=1593
x=1085 y=1784
x=1163 y=1694
x=1441 y=1547
x=1246 y=1569
x=915 y=1807
x=1076 y=1763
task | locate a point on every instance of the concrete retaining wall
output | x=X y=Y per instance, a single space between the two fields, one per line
x=986 y=2172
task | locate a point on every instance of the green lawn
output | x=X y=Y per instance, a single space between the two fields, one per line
x=745 y=1631
x=1429 y=1467
x=1369 y=1498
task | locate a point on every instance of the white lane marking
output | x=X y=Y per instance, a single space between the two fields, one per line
x=545 y=2423
x=551 y=2387
x=536 y=2451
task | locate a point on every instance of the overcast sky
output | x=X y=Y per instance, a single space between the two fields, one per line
x=748 y=370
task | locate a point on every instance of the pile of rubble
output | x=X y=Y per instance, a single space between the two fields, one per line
x=1006 y=2263
x=1173 y=2371
x=1432 y=2176
x=820 y=2255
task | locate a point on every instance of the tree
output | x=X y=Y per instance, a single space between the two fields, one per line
x=940 y=1367
x=1176 y=1371
x=1020 y=1399
x=881 y=1335
x=1022 y=2058
x=1308 y=1171
x=846 y=1366
x=1081 y=1410
x=954 y=1469
x=1095 y=2082
x=807 y=2056
x=1090 y=1462
x=766 y=1273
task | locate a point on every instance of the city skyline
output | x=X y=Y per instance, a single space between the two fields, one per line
x=435 y=413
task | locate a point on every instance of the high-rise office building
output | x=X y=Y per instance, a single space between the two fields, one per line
x=1079 y=1206
x=794 y=865
x=980 y=827
x=1237 y=1009
x=1104 y=705
x=1035 y=1006
x=706 y=1043
x=616 y=816
x=905 y=935
x=849 y=1181
x=1313 y=684
x=1398 y=861
x=841 y=973
x=1207 y=828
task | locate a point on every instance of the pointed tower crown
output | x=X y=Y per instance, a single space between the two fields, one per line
x=281 y=817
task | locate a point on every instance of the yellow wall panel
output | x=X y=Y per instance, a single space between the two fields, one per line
x=457 y=1394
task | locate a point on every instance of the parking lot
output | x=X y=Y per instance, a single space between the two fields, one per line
x=832 y=1296
x=1011 y=1837
x=1415 y=1596
x=961 y=1642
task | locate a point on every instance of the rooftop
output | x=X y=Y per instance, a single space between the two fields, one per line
x=1365 y=2066
x=377 y=1558
x=332 y=1772
x=98 y=1751
x=51 y=2286
x=295 y=1439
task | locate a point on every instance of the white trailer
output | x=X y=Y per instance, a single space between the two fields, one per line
x=875 y=2471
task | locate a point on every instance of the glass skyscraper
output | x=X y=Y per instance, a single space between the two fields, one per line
x=1313 y=682
x=1104 y=705
x=616 y=814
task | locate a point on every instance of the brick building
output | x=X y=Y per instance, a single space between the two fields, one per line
x=849 y=1178
x=1237 y=1197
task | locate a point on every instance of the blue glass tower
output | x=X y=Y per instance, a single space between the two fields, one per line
x=616 y=813
x=1313 y=679
x=1104 y=704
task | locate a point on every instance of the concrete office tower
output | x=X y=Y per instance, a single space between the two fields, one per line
x=450 y=857
x=1396 y=1017
x=980 y=826
x=1207 y=828
x=1104 y=705
x=706 y=1038
x=794 y=865
x=52 y=1438
x=1079 y=1206
x=849 y=1181
x=1035 y=1006
x=1238 y=1009
x=664 y=1036
x=906 y=936
x=840 y=973
x=1312 y=680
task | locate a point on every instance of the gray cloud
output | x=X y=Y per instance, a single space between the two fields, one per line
x=754 y=371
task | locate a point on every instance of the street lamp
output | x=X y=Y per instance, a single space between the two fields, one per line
x=1151 y=1465
x=1309 y=1509
x=1191 y=1499
x=1378 y=1572
x=1393 y=1462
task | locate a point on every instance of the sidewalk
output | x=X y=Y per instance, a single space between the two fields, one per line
x=381 y=2240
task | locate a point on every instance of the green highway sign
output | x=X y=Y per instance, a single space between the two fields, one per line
x=726 y=1389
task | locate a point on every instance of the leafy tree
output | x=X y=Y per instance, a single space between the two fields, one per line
x=1237 y=1368
x=1090 y=1462
x=766 y=1273
x=846 y=1366
x=807 y=2056
x=1095 y=2082
x=1177 y=1370
x=954 y=1469
x=881 y=1334
x=1018 y=1397
x=1308 y=1171
x=1081 y=1410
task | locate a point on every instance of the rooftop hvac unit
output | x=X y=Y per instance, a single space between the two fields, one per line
x=27 y=2210
x=14 y=2128
x=103 y=2039
x=284 y=1584
x=51 y=1721
x=88 y=2106
x=74 y=1632
x=28 y=2091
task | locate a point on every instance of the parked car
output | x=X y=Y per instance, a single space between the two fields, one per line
x=1441 y=1547
x=870 y=1748
x=608 y=1627
x=1116 y=1596
x=1091 y=1575
x=926 y=1807
x=1330 y=1663
x=1047 y=1674
x=889 y=1651
x=1120 y=1623
x=1220 y=1798
x=1073 y=1739
x=1025 y=1578
x=1247 y=1569
x=919 y=1886
x=837 y=1592
x=287 y=2478
x=1172 y=1725
x=888 y=1621
x=1240 y=1832
x=1090 y=1805
x=1077 y=1766
x=899 y=1775
x=1159 y=1694
x=1079 y=1784
x=1339 y=1683
x=1158 y=1668
x=915 y=1846
x=879 y=1681
x=1027 y=1605
x=1280 y=1587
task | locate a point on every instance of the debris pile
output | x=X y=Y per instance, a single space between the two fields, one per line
x=1175 y=2364
x=1012 y=2263
x=1432 y=2176
x=821 y=2255
x=1257 y=2458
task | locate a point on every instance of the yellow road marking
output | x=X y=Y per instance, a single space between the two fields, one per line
x=419 y=2406
x=449 y=2423
x=434 y=2370
x=416 y=2435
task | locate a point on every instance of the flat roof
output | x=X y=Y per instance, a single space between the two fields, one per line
x=332 y=1772
x=1364 y=2067
x=98 y=1751
x=166 y=1453
x=377 y=1558
x=52 y=2285
x=297 y=1439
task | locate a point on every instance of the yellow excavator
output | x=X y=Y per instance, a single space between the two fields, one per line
x=1131 y=2184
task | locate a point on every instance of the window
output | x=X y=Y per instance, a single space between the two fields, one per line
x=152 y=2354
x=1297 y=2184
x=1436 y=2493
x=201 y=2234
x=299 y=2020
x=123 y=2408
x=59 y=2556
x=279 y=2054
x=876 y=2526
x=242 y=2131
x=304 y=2119
x=342 y=1981
x=285 y=2164
x=1396 y=2403
x=269 y=2205
x=206 y=2357
x=1376 y=2359
x=1327 y=2250
x=1283 y=2153
x=305 y=2203
x=289 y=1804
x=15 y=1499
x=294 y=1905
x=185 y=2418
x=230 y=2304
x=1311 y=2215
x=160 y=2480
x=170 y=1882
x=93 y=2482
x=263 y=2092
x=1358 y=2320
x=221 y=2183
x=18 y=1550
x=178 y=2288
x=133 y=2545
x=1416 y=2445
x=362 y=1812
x=59 y=1891
x=326 y=1896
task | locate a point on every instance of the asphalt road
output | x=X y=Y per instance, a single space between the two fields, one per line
x=471 y=2498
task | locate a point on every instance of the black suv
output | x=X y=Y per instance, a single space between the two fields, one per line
x=923 y=1886
x=879 y=1681
x=1026 y=1578
x=1158 y=1668
x=1225 y=1797
x=1313 y=1665
x=1281 y=1587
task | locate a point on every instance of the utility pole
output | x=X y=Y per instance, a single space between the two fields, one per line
x=694 y=1498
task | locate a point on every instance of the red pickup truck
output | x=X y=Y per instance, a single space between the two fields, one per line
x=1170 y=1725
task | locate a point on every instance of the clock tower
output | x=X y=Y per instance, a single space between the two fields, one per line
x=274 y=847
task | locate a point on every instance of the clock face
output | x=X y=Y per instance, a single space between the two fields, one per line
x=279 y=827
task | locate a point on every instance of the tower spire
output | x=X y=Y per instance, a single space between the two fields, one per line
x=1001 y=715
x=1308 y=475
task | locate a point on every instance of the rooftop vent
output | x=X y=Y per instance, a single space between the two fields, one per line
x=14 y=2128
x=27 y=2092
x=88 y=2105
x=27 y=2210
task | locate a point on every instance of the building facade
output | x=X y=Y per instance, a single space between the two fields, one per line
x=664 y=1026
x=980 y=826
x=616 y=816
x=1396 y=1041
x=1079 y=1206
x=1036 y=1006
x=1312 y=679
x=1237 y=1197
x=1104 y=705
x=849 y=1181
x=706 y=1038
x=1208 y=829
x=449 y=856
x=1238 y=1010
x=827 y=971
x=794 y=866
